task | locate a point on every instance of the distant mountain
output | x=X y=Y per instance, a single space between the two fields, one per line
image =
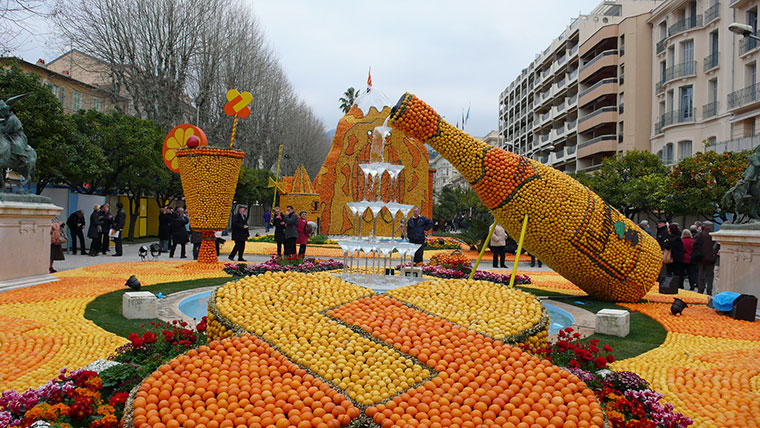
x=330 y=133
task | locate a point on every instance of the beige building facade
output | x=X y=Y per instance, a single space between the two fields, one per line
x=568 y=108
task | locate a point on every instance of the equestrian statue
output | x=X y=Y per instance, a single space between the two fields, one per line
x=744 y=197
x=15 y=151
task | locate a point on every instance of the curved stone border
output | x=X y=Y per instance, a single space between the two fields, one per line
x=585 y=321
x=168 y=307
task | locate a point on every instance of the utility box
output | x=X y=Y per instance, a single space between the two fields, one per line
x=139 y=305
x=615 y=322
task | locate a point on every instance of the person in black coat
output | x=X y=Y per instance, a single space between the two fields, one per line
x=105 y=227
x=278 y=222
x=179 y=232
x=239 y=233
x=94 y=230
x=119 y=221
x=76 y=227
x=673 y=243
x=291 y=231
x=415 y=231
x=164 y=228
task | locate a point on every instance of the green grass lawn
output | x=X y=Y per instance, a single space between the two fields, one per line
x=105 y=310
x=646 y=333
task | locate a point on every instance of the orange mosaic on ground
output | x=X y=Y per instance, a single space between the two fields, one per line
x=43 y=329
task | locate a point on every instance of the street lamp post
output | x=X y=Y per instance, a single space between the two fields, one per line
x=743 y=30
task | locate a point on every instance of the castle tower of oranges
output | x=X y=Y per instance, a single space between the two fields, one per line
x=299 y=192
x=340 y=180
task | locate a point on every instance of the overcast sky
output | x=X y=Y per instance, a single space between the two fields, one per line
x=452 y=54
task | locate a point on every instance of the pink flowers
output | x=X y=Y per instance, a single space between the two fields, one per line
x=281 y=265
x=442 y=272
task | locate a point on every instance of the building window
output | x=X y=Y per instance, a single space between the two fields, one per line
x=750 y=74
x=621 y=76
x=61 y=95
x=96 y=103
x=667 y=154
x=752 y=19
x=621 y=130
x=684 y=150
x=621 y=103
x=76 y=101
x=621 y=48
x=687 y=103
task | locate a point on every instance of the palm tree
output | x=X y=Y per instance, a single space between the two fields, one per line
x=348 y=98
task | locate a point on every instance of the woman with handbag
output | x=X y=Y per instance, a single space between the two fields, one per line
x=690 y=267
x=304 y=231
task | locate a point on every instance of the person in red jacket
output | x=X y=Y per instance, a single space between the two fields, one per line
x=690 y=268
x=304 y=231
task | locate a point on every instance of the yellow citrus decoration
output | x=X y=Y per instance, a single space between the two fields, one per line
x=571 y=229
x=176 y=139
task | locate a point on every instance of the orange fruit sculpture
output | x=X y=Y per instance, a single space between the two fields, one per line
x=570 y=228
x=209 y=178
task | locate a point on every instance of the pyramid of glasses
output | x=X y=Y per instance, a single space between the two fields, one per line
x=372 y=248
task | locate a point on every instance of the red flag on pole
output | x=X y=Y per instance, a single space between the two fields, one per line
x=369 y=78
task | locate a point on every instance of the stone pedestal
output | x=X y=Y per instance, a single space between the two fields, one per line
x=739 y=259
x=615 y=322
x=139 y=305
x=25 y=240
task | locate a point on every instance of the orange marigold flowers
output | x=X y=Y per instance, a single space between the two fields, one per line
x=570 y=228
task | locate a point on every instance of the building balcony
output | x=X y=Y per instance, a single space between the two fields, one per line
x=711 y=61
x=658 y=88
x=747 y=44
x=544 y=138
x=571 y=126
x=600 y=144
x=607 y=86
x=685 y=25
x=546 y=117
x=562 y=60
x=605 y=59
x=684 y=69
x=573 y=51
x=744 y=97
x=660 y=46
x=709 y=110
x=712 y=13
x=573 y=76
x=572 y=101
x=570 y=150
x=561 y=84
x=557 y=133
x=598 y=117
x=675 y=118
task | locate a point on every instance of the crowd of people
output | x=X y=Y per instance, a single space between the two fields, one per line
x=689 y=254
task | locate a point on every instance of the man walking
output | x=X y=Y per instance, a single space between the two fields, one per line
x=291 y=231
x=278 y=222
x=705 y=266
x=118 y=226
x=415 y=231
x=239 y=233
x=75 y=223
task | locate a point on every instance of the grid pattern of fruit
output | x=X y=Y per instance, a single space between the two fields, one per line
x=570 y=228
x=340 y=180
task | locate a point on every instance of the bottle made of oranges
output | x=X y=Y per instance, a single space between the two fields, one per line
x=570 y=228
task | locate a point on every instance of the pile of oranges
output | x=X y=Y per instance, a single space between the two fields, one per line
x=209 y=178
x=569 y=227
x=388 y=355
x=237 y=382
x=455 y=258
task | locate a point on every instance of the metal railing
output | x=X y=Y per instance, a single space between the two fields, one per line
x=597 y=112
x=737 y=145
x=684 y=25
x=683 y=69
x=661 y=46
x=658 y=87
x=598 y=57
x=747 y=44
x=711 y=61
x=713 y=12
x=744 y=96
x=709 y=109
x=658 y=127
x=608 y=137
x=598 y=84
x=677 y=116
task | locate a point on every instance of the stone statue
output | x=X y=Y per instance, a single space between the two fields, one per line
x=15 y=152
x=744 y=197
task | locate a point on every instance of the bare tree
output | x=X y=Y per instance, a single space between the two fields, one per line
x=15 y=17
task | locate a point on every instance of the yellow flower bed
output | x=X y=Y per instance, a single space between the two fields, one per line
x=43 y=329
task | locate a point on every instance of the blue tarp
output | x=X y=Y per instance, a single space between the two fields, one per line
x=724 y=301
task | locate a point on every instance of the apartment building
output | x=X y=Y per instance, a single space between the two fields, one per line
x=567 y=108
x=73 y=94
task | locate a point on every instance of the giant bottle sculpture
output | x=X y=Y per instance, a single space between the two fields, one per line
x=570 y=228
